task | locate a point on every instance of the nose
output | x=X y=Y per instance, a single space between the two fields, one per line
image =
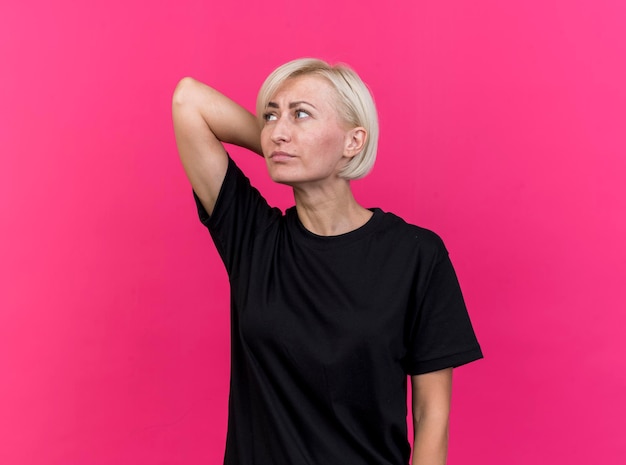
x=280 y=131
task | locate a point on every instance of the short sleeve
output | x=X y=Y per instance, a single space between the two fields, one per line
x=441 y=335
x=240 y=212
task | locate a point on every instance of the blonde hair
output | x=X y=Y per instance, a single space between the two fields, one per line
x=355 y=104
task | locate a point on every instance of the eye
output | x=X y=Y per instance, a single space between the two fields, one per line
x=269 y=117
x=301 y=114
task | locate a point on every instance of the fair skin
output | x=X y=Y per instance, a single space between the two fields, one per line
x=431 y=394
x=305 y=145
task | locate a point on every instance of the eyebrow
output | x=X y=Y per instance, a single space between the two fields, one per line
x=292 y=104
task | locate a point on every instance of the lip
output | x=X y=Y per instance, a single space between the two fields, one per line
x=280 y=156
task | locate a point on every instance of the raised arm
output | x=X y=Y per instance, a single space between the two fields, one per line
x=431 y=412
x=203 y=119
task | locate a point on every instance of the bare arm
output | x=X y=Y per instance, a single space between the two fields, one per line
x=431 y=411
x=203 y=119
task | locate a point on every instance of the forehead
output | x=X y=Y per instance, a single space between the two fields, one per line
x=308 y=87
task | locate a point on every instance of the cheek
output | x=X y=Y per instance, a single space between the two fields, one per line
x=331 y=144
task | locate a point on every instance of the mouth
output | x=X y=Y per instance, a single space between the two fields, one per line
x=280 y=156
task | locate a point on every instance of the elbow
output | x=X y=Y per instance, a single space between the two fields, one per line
x=184 y=91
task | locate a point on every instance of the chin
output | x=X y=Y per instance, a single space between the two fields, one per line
x=294 y=177
x=283 y=180
x=281 y=176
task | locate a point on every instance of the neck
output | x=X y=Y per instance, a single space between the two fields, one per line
x=330 y=212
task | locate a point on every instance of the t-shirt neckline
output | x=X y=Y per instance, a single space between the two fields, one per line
x=315 y=239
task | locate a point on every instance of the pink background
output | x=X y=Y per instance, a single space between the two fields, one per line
x=502 y=128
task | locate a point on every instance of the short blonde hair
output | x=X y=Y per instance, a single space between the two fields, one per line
x=355 y=104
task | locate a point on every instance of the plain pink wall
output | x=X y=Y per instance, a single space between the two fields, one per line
x=503 y=129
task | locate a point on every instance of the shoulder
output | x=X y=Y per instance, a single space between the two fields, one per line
x=396 y=229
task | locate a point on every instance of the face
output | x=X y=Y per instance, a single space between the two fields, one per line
x=303 y=138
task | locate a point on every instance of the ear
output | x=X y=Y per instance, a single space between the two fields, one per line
x=355 y=141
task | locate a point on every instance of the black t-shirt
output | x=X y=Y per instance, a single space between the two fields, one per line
x=324 y=331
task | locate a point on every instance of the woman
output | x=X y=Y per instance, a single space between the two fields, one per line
x=332 y=304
